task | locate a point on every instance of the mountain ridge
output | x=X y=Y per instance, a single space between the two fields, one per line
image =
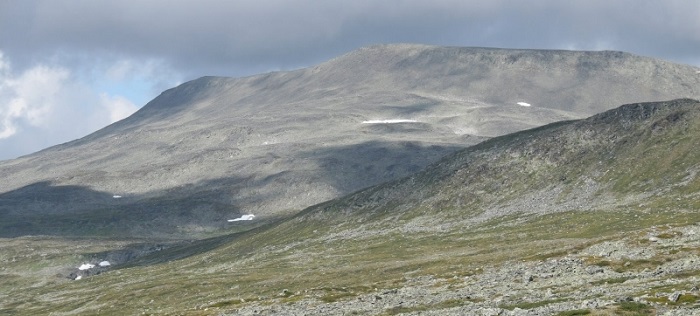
x=390 y=58
x=235 y=145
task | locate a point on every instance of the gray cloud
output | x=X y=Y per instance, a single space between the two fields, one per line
x=241 y=37
x=155 y=44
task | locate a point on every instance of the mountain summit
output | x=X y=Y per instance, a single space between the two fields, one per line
x=217 y=148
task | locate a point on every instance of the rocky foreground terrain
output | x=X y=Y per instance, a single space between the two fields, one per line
x=651 y=272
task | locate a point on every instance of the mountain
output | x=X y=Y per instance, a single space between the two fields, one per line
x=597 y=216
x=217 y=148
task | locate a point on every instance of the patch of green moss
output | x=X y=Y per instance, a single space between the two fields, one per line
x=621 y=266
x=683 y=299
x=634 y=309
x=687 y=299
x=227 y=303
x=333 y=294
x=611 y=281
x=334 y=297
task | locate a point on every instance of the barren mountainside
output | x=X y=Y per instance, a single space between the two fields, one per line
x=597 y=216
x=216 y=148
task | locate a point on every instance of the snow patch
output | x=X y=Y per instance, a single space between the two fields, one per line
x=524 y=104
x=392 y=121
x=466 y=131
x=78 y=277
x=86 y=266
x=116 y=196
x=104 y=264
x=248 y=217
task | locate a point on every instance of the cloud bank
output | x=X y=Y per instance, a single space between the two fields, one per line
x=45 y=105
x=232 y=37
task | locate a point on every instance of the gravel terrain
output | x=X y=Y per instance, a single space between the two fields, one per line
x=579 y=280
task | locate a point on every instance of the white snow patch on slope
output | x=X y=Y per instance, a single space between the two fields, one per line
x=466 y=131
x=86 y=266
x=392 y=121
x=524 y=104
x=248 y=217
x=116 y=196
x=104 y=264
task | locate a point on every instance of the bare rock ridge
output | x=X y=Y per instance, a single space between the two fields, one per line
x=272 y=144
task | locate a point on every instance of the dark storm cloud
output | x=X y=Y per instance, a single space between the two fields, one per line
x=238 y=37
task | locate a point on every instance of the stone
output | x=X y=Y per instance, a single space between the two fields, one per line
x=594 y=269
x=285 y=292
x=674 y=297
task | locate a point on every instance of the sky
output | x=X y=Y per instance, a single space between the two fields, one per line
x=71 y=67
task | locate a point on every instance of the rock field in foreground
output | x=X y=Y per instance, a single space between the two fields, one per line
x=659 y=268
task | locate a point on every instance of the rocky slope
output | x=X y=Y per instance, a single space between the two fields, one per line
x=590 y=217
x=215 y=148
